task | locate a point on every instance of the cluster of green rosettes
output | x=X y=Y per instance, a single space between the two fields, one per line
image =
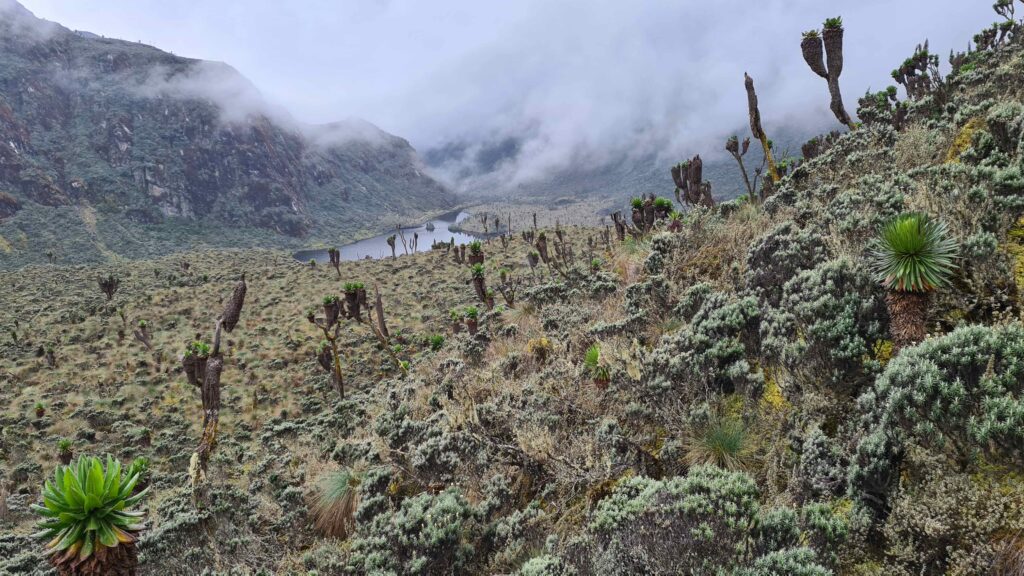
x=351 y=287
x=88 y=518
x=198 y=348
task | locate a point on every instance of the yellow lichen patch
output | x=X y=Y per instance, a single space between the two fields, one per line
x=883 y=351
x=657 y=442
x=772 y=398
x=732 y=406
x=963 y=139
x=539 y=349
x=5 y=246
x=842 y=507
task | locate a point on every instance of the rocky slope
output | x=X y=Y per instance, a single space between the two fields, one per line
x=112 y=147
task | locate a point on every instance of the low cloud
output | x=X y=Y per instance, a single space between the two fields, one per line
x=570 y=82
x=240 y=101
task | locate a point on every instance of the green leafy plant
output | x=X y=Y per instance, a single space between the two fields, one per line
x=40 y=410
x=88 y=518
x=811 y=34
x=351 y=287
x=663 y=204
x=471 y=312
x=138 y=467
x=330 y=300
x=64 y=445
x=833 y=23
x=475 y=247
x=198 y=348
x=436 y=341
x=477 y=270
x=592 y=362
x=592 y=357
x=914 y=254
x=637 y=203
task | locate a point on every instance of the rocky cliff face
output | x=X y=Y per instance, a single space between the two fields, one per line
x=109 y=146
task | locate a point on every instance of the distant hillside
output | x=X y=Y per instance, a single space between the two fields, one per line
x=110 y=148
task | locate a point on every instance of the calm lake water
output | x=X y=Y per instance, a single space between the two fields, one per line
x=377 y=247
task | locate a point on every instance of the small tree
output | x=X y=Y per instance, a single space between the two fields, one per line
x=732 y=145
x=109 y=286
x=391 y=243
x=824 y=55
x=334 y=255
x=471 y=314
x=208 y=378
x=912 y=256
x=757 y=130
x=478 y=281
x=691 y=188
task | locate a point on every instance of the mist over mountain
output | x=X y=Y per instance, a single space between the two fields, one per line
x=574 y=85
x=114 y=147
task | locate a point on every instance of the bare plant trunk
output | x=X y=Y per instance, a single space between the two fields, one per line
x=908 y=312
x=378 y=307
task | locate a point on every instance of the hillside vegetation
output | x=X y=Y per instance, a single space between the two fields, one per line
x=742 y=389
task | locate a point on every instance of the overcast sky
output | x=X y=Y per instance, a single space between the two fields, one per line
x=573 y=78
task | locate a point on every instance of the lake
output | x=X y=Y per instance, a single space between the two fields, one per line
x=377 y=247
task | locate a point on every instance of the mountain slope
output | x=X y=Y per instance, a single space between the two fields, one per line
x=113 y=147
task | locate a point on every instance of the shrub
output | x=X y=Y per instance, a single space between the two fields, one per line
x=944 y=521
x=826 y=323
x=692 y=525
x=780 y=255
x=963 y=391
x=427 y=534
x=792 y=562
x=707 y=522
x=710 y=353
